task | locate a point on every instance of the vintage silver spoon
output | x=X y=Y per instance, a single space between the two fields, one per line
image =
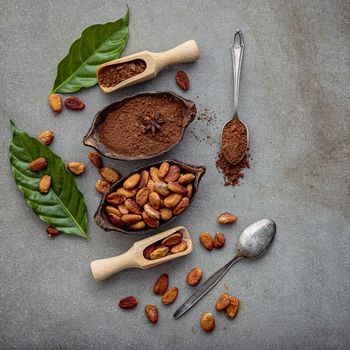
x=237 y=50
x=253 y=243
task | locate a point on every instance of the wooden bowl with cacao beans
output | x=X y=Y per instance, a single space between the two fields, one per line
x=149 y=197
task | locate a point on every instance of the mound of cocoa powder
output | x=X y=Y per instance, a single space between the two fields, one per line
x=115 y=74
x=234 y=140
x=232 y=173
x=124 y=129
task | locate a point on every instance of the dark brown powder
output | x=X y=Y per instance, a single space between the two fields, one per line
x=115 y=74
x=234 y=140
x=124 y=132
x=232 y=173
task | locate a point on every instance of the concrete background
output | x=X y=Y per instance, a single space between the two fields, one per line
x=295 y=100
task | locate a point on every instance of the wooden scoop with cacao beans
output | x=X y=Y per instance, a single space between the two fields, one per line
x=148 y=252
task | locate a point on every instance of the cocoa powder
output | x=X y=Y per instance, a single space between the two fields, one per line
x=232 y=172
x=115 y=74
x=234 y=140
x=124 y=130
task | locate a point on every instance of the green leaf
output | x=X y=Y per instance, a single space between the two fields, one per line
x=63 y=207
x=98 y=44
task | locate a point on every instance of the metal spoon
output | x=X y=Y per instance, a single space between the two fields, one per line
x=253 y=243
x=237 y=49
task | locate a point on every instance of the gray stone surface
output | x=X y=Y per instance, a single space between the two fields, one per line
x=295 y=100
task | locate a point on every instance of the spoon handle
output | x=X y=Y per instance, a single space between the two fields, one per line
x=237 y=49
x=205 y=287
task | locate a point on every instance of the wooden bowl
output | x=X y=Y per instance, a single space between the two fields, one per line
x=101 y=217
x=91 y=138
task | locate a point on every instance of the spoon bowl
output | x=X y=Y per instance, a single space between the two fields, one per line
x=227 y=155
x=256 y=238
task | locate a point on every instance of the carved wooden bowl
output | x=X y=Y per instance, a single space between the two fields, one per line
x=101 y=217
x=92 y=138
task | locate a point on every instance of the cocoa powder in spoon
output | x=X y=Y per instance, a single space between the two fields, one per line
x=115 y=74
x=234 y=140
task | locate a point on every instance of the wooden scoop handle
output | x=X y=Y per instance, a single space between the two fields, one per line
x=104 y=268
x=183 y=53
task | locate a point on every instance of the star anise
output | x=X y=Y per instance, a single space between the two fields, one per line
x=152 y=122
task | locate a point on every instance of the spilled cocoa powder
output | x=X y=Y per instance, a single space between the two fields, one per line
x=234 y=140
x=143 y=126
x=232 y=172
x=115 y=74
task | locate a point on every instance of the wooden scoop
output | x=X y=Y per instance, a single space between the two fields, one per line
x=155 y=62
x=133 y=258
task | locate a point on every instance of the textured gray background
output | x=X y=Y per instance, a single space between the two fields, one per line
x=295 y=100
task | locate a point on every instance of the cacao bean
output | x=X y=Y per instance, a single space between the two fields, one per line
x=38 y=164
x=154 y=174
x=102 y=186
x=138 y=225
x=173 y=174
x=166 y=214
x=55 y=102
x=232 y=310
x=194 y=276
x=142 y=196
x=74 y=103
x=52 y=232
x=158 y=253
x=46 y=137
x=154 y=200
x=109 y=174
x=161 y=284
x=163 y=169
x=151 y=313
x=115 y=220
x=131 y=218
x=128 y=302
x=176 y=187
x=172 y=200
x=182 y=206
x=132 y=181
x=186 y=179
x=179 y=248
x=227 y=218
x=95 y=159
x=144 y=179
x=170 y=296
x=116 y=198
x=132 y=206
x=172 y=240
x=148 y=250
x=223 y=302
x=76 y=168
x=45 y=184
x=182 y=80
x=207 y=322
x=206 y=240
x=219 y=240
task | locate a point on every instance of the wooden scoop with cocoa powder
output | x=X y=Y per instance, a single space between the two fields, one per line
x=148 y=252
x=235 y=135
x=143 y=66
